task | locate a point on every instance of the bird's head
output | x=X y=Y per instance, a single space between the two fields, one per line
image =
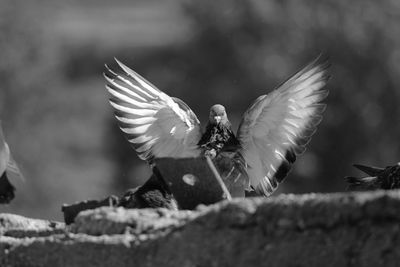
x=218 y=115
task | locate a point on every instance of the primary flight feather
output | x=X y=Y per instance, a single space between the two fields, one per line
x=154 y=123
x=273 y=132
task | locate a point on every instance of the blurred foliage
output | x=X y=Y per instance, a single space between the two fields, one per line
x=54 y=107
x=242 y=49
x=22 y=69
x=263 y=41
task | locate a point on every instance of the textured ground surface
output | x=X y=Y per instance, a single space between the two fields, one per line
x=360 y=229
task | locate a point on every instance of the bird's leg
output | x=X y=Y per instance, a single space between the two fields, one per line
x=212 y=153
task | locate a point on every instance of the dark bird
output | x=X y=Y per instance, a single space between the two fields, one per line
x=378 y=178
x=8 y=169
x=218 y=134
x=154 y=193
x=220 y=143
x=274 y=130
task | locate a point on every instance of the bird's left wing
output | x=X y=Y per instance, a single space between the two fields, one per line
x=9 y=172
x=277 y=127
x=12 y=167
x=7 y=162
x=4 y=152
x=154 y=123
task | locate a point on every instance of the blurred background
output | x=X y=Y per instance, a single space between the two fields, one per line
x=60 y=127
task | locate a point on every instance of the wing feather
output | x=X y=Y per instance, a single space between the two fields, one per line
x=277 y=127
x=7 y=162
x=155 y=124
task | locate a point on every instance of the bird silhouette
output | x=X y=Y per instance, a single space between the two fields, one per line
x=154 y=193
x=8 y=169
x=274 y=130
x=378 y=178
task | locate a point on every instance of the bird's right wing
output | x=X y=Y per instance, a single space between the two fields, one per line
x=154 y=123
x=277 y=127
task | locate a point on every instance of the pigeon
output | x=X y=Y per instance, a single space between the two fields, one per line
x=378 y=178
x=218 y=134
x=154 y=193
x=8 y=169
x=220 y=143
x=273 y=131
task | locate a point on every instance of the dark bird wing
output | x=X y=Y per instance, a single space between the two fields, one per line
x=277 y=127
x=154 y=123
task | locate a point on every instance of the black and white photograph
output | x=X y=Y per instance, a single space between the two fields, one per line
x=199 y=133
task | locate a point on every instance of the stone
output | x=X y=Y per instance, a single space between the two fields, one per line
x=342 y=229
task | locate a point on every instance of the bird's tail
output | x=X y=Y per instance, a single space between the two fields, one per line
x=363 y=183
x=369 y=170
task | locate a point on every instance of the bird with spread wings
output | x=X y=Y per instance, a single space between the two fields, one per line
x=8 y=170
x=274 y=130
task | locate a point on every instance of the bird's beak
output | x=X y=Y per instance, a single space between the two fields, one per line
x=217 y=119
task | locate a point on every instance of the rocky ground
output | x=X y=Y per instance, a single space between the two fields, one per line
x=346 y=229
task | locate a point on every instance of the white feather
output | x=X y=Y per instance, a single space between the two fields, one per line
x=277 y=123
x=154 y=123
x=138 y=121
x=134 y=111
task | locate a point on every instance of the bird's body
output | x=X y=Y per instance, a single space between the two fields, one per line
x=7 y=190
x=220 y=143
x=273 y=131
x=378 y=178
x=152 y=194
x=218 y=136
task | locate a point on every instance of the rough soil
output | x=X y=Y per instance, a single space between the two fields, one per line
x=346 y=229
